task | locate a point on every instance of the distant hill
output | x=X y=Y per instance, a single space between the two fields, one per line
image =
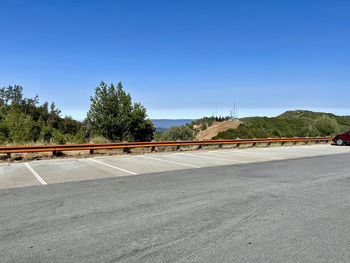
x=298 y=123
x=158 y=129
x=164 y=124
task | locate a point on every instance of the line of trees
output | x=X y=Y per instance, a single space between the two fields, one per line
x=112 y=117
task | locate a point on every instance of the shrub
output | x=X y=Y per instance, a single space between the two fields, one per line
x=325 y=126
x=178 y=133
x=99 y=139
x=18 y=126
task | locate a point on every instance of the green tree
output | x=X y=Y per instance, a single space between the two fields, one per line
x=141 y=128
x=19 y=125
x=113 y=116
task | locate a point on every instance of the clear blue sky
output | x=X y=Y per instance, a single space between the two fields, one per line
x=183 y=58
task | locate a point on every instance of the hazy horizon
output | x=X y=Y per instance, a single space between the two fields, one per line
x=241 y=113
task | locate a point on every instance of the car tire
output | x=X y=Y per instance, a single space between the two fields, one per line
x=339 y=142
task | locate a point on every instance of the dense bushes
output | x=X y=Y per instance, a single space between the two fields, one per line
x=289 y=124
x=177 y=133
x=325 y=126
x=24 y=121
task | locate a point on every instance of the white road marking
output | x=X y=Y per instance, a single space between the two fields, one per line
x=41 y=180
x=162 y=160
x=211 y=157
x=111 y=166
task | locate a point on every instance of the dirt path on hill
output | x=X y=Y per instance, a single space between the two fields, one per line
x=216 y=128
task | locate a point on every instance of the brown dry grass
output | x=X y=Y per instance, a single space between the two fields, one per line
x=217 y=127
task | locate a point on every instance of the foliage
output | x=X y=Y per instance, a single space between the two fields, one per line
x=23 y=120
x=113 y=116
x=325 y=126
x=99 y=139
x=178 y=133
x=288 y=124
x=17 y=125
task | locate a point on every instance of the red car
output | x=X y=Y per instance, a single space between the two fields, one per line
x=342 y=139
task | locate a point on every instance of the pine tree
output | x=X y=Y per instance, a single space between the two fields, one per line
x=113 y=116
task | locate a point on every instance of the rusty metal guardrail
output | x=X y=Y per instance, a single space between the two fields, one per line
x=128 y=145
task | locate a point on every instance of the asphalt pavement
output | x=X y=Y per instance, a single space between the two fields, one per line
x=283 y=210
x=21 y=174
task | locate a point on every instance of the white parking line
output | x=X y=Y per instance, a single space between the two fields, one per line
x=41 y=180
x=157 y=159
x=200 y=155
x=114 y=167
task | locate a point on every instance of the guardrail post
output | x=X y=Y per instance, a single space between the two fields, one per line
x=295 y=143
x=254 y=144
x=306 y=142
x=237 y=145
x=54 y=153
x=8 y=155
x=269 y=144
x=282 y=143
x=91 y=151
x=200 y=146
x=178 y=147
x=153 y=148
x=220 y=146
x=126 y=150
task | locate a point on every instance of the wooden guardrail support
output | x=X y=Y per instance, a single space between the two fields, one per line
x=91 y=151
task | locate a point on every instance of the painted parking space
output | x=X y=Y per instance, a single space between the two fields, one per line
x=203 y=160
x=302 y=151
x=143 y=163
x=69 y=170
x=242 y=156
x=16 y=175
x=60 y=171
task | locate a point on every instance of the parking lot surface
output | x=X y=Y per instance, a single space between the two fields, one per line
x=14 y=175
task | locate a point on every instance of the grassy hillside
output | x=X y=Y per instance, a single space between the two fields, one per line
x=289 y=124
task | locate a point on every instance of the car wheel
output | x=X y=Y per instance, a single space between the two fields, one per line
x=339 y=141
